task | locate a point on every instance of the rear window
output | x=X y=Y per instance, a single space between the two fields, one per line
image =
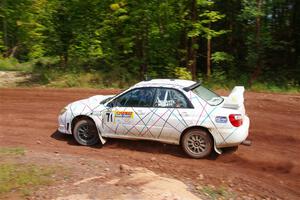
x=210 y=97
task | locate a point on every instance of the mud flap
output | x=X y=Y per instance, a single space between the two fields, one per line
x=247 y=142
x=102 y=140
x=217 y=150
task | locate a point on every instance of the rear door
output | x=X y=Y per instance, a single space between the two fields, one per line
x=172 y=113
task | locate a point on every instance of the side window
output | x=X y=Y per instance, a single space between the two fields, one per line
x=142 y=97
x=146 y=97
x=129 y=99
x=170 y=98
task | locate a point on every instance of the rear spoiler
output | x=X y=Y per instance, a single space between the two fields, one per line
x=191 y=87
x=235 y=98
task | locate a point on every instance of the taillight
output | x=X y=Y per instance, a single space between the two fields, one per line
x=236 y=119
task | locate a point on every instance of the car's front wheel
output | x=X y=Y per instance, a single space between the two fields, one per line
x=197 y=143
x=85 y=132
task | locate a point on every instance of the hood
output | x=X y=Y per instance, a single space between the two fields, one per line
x=87 y=105
x=96 y=99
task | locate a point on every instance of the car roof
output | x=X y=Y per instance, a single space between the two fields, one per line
x=176 y=83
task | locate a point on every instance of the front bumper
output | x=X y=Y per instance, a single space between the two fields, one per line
x=63 y=125
x=62 y=129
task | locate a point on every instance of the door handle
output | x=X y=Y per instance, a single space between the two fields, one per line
x=184 y=114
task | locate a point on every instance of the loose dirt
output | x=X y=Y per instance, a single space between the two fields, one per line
x=270 y=168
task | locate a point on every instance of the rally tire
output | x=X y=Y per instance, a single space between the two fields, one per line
x=85 y=132
x=197 y=143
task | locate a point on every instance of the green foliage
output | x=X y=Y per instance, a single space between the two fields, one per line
x=219 y=57
x=250 y=10
x=2 y=46
x=12 y=64
x=114 y=43
x=267 y=87
x=218 y=80
x=49 y=72
x=203 y=26
x=182 y=73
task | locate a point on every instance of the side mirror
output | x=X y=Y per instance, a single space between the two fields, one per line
x=110 y=104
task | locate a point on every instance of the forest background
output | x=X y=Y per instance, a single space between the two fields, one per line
x=104 y=43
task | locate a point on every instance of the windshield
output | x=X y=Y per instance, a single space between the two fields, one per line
x=106 y=100
x=209 y=96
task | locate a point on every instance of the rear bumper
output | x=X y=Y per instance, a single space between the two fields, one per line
x=237 y=136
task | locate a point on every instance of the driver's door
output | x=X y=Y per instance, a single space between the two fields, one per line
x=127 y=115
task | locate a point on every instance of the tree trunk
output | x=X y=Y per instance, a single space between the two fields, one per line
x=295 y=26
x=141 y=54
x=5 y=39
x=183 y=45
x=192 y=52
x=258 y=66
x=193 y=59
x=208 y=61
x=64 y=60
x=142 y=42
x=13 y=51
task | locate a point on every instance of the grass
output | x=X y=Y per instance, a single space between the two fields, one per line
x=11 y=64
x=291 y=87
x=6 y=151
x=264 y=87
x=19 y=178
x=59 y=78
x=47 y=73
x=217 y=193
x=23 y=177
x=81 y=80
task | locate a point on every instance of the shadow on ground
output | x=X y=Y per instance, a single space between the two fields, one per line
x=134 y=145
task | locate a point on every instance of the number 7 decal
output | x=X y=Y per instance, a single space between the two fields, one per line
x=109 y=117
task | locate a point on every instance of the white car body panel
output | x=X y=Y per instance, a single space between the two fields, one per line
x=162 y=124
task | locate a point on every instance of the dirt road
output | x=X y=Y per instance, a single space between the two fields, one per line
x=270 y=168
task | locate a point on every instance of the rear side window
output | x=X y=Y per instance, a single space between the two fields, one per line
x=170 y=98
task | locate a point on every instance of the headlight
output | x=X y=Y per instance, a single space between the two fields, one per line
x=63 y=111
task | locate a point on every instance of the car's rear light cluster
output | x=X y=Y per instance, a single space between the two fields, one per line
x=236 y=119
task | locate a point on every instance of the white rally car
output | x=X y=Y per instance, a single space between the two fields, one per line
x=166 y=110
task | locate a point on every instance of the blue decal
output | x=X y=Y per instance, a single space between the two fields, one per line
x=221 y=119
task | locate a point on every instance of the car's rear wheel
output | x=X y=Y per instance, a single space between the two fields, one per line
x=85 y=132
x=197 y=143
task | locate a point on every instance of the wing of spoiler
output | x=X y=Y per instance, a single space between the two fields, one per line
x=235 y=99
